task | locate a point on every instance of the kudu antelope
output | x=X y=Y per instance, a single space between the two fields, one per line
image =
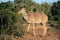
x=32 y=17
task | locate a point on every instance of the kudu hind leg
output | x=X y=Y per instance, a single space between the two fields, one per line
x=33 y=29
x=45 y=30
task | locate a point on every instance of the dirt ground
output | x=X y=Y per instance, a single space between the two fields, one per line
x=52 y=34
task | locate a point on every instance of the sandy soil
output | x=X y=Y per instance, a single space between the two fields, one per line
x=52 y=34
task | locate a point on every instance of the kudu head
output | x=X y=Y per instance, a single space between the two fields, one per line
x=22 y=10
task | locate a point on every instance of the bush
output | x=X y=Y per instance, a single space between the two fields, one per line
x=11 y=23
x=19 y=28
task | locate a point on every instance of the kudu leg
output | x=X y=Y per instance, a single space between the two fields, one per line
x=33 y=29
x=28 y=27
x=45 y=30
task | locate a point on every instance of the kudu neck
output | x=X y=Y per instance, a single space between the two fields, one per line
x=23 y=11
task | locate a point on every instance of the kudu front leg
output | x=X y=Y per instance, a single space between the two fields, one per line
x=28 y=28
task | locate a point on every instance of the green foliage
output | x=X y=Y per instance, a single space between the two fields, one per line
x=19 y=31
x=55 y=11
x=12 y=26
x=46 y=8
x=19 y=28
x=6 y=5
x=6 y=20
x=30 y=5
